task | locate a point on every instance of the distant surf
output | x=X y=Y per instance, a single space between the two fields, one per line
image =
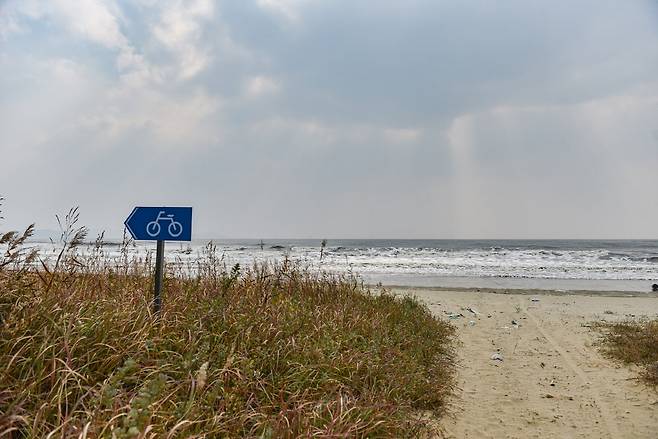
x=625 y=265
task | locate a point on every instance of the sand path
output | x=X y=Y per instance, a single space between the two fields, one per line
x=552 y=382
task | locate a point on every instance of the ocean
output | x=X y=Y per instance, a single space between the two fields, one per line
x=598 y=265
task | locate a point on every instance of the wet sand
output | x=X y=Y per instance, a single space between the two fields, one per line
x=552 y=381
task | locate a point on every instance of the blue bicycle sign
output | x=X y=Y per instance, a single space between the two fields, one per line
x=160 y=223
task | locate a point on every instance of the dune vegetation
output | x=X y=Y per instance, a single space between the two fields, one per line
x=633 y=342
x=269 y=351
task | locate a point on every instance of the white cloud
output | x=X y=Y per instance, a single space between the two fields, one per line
x=180 y=30
x=296 y=132
x=283 y=7
x=57 y=91
x=11 y=13
x=167 y=122
x=288 y=9
x=307 y=133
x=401 y=135
x=9 y=26
x=522 y=165
x=96 y=20
x=258 y=86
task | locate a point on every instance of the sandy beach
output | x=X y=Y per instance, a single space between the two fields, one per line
x=552 y=381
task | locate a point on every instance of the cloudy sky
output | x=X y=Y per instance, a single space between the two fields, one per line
x=334 y=118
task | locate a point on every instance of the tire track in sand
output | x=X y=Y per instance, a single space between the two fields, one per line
x=603 y=408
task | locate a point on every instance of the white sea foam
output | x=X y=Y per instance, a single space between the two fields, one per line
x=527 y=261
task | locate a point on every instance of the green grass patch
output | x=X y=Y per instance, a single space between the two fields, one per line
x=633 y=343
x=268 y=352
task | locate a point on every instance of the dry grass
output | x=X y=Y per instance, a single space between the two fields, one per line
x=268 y=352
x=633 y=343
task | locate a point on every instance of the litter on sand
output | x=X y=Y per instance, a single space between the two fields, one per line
x=497 y=356
x=473 y=310
x=453 y=316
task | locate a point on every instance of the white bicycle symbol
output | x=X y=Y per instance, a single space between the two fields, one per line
x=175 y=228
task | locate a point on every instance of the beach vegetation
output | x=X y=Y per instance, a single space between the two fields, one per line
x=633 y=343
x=267 y=351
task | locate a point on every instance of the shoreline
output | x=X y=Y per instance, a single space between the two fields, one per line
x=494 y=283
x=520 y=291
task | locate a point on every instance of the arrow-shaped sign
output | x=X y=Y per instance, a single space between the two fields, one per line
x=160 y=223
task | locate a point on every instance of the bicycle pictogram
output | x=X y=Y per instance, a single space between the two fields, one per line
x=175 y=228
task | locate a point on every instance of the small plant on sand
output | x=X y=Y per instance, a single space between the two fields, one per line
x=633 y=343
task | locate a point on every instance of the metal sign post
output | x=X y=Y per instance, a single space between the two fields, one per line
x=159 y=272
x=160 y=224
